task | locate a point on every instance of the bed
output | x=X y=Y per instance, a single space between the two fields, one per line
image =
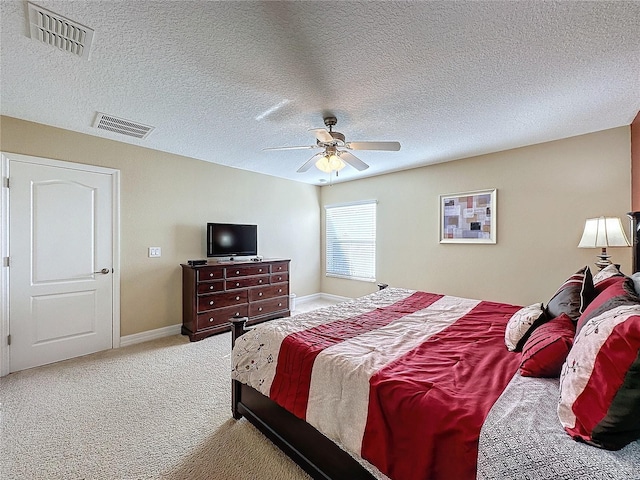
x=407 y=385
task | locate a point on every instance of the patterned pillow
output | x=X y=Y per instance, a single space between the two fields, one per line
x=606 y=277
x=521 y=324
x=573 y=295
x=600 y=381
x=547 y=348
x=620 y=292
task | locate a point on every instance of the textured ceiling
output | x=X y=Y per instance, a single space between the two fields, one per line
x=220 y=81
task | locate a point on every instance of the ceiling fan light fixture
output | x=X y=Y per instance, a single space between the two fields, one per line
x=331 y=159
x=330 y=163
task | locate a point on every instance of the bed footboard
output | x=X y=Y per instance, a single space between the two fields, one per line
x=238 y=328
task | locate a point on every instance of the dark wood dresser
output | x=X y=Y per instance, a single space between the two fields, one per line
x=212 y=294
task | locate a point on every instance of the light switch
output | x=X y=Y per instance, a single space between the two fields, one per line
x=155 y=252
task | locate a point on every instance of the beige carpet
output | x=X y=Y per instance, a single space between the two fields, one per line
x=157 y=410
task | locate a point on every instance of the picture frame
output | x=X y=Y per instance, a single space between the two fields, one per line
x=469 y=217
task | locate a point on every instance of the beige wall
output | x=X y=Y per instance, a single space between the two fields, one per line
x=166 y=201
x=545 y=193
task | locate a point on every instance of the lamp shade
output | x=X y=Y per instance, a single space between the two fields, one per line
x=603 y=232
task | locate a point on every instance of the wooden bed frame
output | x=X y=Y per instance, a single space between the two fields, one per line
x=310 y=449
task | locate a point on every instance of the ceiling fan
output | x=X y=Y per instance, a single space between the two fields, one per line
x=332 y=158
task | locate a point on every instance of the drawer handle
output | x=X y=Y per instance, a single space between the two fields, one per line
x=259 y=281
x=211 y=274
x=237 y=314
x=237 y=298
x=260 y=309
x=211 y=302
x=279 y=290
x=237 y=284
x=279 y=268
x=259 y=270
x=237 y=272
x=260 y=294
x=280 y=304
x=211 y=320
x=211 y=287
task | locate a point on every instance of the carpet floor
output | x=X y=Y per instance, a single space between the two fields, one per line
x=156 y=410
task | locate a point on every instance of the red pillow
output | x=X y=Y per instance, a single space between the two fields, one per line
x=607 y=276
x=607 y=282
x=547 y=348
x=620 y=291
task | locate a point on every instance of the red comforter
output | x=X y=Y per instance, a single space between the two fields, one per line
x=440 y=393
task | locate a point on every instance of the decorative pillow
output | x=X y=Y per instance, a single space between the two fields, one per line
x=618 y=293
x=547 y=348
x=600 y=381
x=605 y=277
x=521 y=324
x=607 y=282
x=573 y=295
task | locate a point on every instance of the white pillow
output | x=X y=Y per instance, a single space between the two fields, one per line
x=521 y=324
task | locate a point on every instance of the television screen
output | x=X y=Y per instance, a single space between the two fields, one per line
x=231 y=239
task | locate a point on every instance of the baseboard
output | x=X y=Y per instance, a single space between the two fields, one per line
x=321 y=296
x=150 y=335
x=334 y=298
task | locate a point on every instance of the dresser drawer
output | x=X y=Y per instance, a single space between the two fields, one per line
x=233 y=272
x=221 y=316
x=279 y=277
x=278 y=267
x=219 y=300
x=210 y=287
x=268 y=306
x=243 y=282
x=208 y=273
x=270 y=291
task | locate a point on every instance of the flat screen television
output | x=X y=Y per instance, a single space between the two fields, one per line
x=231 y=240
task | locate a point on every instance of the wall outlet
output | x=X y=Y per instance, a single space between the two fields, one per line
x=155 y=252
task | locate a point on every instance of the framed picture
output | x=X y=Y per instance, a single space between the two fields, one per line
x=468 y=217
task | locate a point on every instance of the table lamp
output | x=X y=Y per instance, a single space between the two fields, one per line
x=603 y=232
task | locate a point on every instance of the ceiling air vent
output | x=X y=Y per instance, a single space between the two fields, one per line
x=57 y=31
x=119 y=125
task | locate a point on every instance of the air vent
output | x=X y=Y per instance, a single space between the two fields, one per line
x=60 y=32
x=119 y=125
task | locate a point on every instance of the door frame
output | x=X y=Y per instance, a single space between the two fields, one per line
x=4 y=244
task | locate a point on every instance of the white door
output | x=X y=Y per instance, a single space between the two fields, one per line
x=60 y=262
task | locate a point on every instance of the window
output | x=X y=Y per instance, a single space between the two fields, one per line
x=351 y=240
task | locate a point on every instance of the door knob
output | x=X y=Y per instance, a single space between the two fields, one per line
x=104 y=271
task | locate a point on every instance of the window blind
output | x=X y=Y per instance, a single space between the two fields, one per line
x=351 y=240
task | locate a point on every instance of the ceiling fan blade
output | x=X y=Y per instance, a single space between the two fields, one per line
x=387 y=146
x=301 y=147
x=322 y=135
x=309 y=163
x=352 y=160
